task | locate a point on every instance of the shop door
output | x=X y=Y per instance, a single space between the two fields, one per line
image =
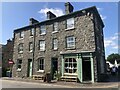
x=86 y=69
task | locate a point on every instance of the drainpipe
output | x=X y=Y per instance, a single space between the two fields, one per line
x=33 y=49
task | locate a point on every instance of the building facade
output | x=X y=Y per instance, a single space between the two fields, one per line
x=71 y=45
x=7 y=54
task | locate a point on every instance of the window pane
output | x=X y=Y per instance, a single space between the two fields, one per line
x=70 y=42
x=32 y=32
x=30 y=46
x=42 y=29
x=55 y=26
x=42 y=45
x=70 y=23
x=70 y=65
x=20 y=48
x=22 y=34
x=19 y=63
x=41 y=64
x=55 y=43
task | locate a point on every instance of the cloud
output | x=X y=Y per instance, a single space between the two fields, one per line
x=56 y=11
x=111 y=42
x=99 y=9
x=103 y=17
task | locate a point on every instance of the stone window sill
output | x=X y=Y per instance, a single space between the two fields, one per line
x=21 y=52
x=55 y=32
x=42 y=71
x=31 y=51
x=21 y=38
x=42 y=50
x=72 y=48
x=70 y=29
x=18 y=70
x=31 y=36
x=43 y=34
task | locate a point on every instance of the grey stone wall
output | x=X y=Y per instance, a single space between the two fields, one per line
x=85 y=34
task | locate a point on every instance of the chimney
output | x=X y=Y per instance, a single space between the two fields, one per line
x=33 y=21
x=50 y=15
x=68 y=8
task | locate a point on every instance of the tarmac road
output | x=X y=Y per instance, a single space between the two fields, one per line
x=15 y=85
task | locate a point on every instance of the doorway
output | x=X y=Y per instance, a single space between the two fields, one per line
x=86 y=69
x=54 y=67
x=29 y=73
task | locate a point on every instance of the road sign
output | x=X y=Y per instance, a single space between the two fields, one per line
x=10 y=61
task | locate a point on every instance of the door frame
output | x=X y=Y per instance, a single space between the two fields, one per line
x=86 y=61
x=28 y=68
x=52 y=60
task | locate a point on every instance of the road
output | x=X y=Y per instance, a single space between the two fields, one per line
x=22 y=84
x=19 y=84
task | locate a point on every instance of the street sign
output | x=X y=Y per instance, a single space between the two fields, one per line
x=10 y=61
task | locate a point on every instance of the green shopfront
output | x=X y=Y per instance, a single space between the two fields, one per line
x=78 y=65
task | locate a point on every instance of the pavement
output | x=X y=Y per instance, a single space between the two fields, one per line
x=111 y=84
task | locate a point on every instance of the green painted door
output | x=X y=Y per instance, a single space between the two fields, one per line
x=79 y=68
x=30 y=68
x=30 y=71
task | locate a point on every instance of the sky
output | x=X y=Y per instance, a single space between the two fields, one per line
x=17 y=14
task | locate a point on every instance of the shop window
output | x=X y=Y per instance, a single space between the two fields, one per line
x=70 y=65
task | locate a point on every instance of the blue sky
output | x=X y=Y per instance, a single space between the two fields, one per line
x=16 y=15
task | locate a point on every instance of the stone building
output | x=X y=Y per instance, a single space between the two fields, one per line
x=71 y=45
x=7 y=54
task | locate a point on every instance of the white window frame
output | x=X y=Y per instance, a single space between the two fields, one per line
x=42 y=45
x=32 y=32
x=55 y=27
x=20 y=48
x=22 y=34
x=70 y=23
x=18 y=63
x=31 y=46
x=42 y=29
x=55 y=43
x=71 y=69
x=40 y=65
x=70 y=43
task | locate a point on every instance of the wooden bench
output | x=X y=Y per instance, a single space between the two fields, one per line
x=38 y=77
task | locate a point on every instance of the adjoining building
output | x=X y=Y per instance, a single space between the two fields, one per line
x=6 y=55
x=72 y=45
